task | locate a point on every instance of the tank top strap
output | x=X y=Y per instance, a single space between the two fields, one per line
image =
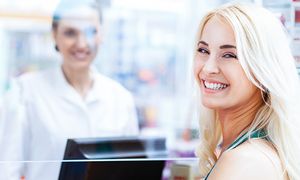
x=254 y=134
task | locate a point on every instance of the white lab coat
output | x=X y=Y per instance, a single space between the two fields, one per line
x=42 y=111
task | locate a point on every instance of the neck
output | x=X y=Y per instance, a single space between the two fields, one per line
x=80 y=80
x=235 y=120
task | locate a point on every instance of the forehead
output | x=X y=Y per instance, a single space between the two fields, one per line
x=77 y=23
x=218 y=31
x=79 y=16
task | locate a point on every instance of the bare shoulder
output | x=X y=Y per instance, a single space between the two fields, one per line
x=254 y=159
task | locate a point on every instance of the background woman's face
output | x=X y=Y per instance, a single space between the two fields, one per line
x=222 y=80
x=77 y=37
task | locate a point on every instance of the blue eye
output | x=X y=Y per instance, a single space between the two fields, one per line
x=202 y=51
x=91 y=31
x=229 y=55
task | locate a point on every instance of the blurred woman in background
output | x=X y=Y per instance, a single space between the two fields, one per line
x=44 y=109
x=249 y=86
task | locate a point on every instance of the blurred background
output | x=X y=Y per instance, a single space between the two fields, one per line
x=147 y=46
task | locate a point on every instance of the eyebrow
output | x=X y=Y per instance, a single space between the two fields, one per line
x=203 y=42
x=225 y=46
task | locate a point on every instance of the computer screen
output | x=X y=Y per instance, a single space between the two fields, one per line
x=120 y=158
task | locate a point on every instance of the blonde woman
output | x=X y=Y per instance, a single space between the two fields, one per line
x=249 y=88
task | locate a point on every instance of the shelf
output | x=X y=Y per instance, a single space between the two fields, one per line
x=296 y=4
x=26 y=16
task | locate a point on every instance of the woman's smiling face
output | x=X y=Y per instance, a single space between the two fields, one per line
x=77 y=37
x=221 y=78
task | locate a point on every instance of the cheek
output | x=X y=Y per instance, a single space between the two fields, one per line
x=250 y=88
x=93 y=47
x=98 y=38
x=234 y=74
x=241 y=86
x=198 y=65
x=64 y=43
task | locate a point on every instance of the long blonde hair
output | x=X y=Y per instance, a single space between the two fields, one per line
x=265 y=56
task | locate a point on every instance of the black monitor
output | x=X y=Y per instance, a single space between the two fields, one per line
x=118 y=152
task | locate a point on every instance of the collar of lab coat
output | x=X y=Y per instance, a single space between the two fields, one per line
x=66 y=91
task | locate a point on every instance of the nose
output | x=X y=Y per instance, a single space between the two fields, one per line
x=82 y=41
x=211 y=65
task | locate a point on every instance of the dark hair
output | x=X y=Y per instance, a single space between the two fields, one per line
x=66 y=5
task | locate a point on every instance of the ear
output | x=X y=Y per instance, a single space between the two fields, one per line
x=54 y=35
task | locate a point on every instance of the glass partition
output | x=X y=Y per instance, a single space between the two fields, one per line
x=135 y=106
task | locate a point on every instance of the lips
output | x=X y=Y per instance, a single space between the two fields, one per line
x=81 y=55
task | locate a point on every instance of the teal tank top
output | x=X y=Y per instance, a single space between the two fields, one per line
x=255 y=134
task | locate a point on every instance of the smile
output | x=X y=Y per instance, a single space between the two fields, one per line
x=214 y=85
x=80 y=55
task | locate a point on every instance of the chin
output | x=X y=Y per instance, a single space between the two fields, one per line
x=79 y=66
x=83 y=66
x=212 y=104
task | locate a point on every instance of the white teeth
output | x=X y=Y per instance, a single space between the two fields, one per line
x=80 y=55
x=214 y=86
